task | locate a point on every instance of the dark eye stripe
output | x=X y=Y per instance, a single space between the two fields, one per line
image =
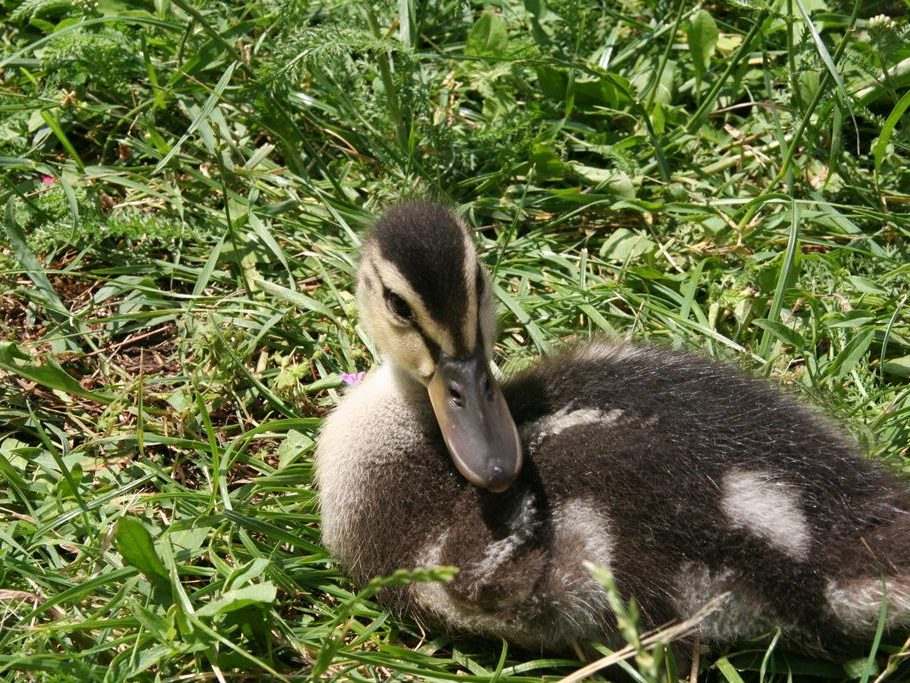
x=398 y=306
x=389 y=296
x=432 y=346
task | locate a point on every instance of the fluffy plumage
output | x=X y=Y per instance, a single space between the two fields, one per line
x=683 y=476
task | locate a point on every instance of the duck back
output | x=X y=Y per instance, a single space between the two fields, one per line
x=684 y=477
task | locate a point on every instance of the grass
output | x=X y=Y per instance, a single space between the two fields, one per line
x=184 y=185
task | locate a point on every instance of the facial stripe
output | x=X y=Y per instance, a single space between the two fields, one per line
x=392 y=281
x=449 y=339
x=432 y=346
x=429 y=249
x=468 y=326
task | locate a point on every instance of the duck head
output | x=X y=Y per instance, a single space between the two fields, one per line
x=425 y=300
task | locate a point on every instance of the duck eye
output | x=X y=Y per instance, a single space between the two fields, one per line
x=399 y=306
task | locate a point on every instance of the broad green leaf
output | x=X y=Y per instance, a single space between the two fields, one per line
x=754 y=5
x=702 y=34
x=161 y=628
x=852 y=319
x=261 y=593
x=547 y=163
x=552 y=82
x=244 y=575
x=488 y=36
x=808 y=82
x=728 y=43
x=48 y=373
x=27 y=259
x=865 y=285
x=605 y=179
x=608 y=90
x=663 y=88
x=134 y=543
x=293 y=447
x=188 y=539
x=535 y=7
x=658 y=119
x=537 y=10
x=782 y=332
x=624 y=245
x=850 y=355
x=884 y=137
x=900 y=367
x=152 y=656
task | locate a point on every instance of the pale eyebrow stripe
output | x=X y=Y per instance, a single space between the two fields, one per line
x=468 y=326
x=423 y=321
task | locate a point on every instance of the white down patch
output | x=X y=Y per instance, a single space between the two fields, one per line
x=581 y=526
x=434 y=598
x=578 y=603
x=501 y=551
x=473 y=617
x=768 y=508
x=738 y=616
x=857 y=602
x=565 y=418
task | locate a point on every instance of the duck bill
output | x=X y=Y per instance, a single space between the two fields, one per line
x=475 y=421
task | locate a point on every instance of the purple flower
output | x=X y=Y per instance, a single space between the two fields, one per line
x=354 y=378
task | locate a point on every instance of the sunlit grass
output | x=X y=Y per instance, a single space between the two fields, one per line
x=184 y=187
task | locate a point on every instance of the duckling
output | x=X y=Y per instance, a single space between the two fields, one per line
x=688 y=480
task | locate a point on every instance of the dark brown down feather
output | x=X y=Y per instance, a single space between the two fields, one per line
x=646 y=459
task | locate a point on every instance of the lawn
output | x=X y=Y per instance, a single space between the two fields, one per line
x=185 y=184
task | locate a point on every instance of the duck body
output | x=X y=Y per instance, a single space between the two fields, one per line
x=684 y=477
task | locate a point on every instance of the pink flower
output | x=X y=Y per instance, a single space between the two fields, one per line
x=354 y=378
x=47 y=180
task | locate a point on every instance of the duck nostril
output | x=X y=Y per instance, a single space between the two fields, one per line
x=455 y=396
